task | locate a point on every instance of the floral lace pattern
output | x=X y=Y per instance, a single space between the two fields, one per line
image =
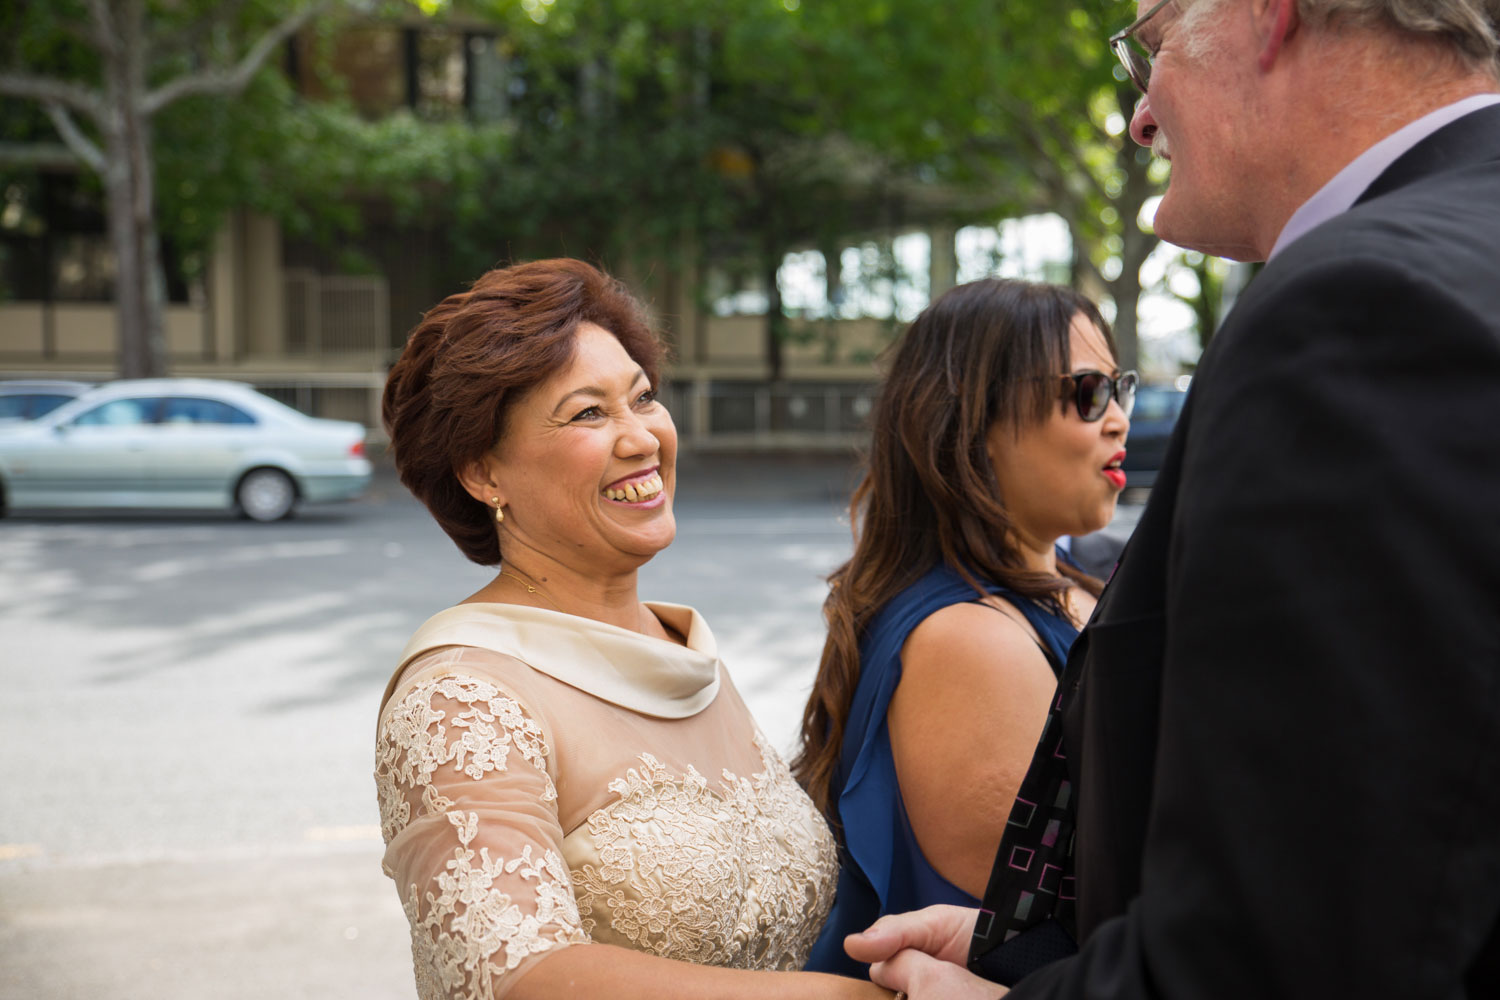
x=741 y=877
x=741 y=874
x=468 y=930
x=469 y=921
x=414 y=743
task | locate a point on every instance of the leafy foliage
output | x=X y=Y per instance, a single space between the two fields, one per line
x=635 y=131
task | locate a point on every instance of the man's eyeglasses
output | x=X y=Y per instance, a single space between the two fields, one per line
x=1132 y=55
x=1091 y=392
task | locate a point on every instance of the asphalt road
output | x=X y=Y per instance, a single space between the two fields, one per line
x=189 y=708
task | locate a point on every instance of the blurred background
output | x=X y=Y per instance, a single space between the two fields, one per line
x=273 y=191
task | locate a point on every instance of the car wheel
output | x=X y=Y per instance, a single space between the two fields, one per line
x=266 y=495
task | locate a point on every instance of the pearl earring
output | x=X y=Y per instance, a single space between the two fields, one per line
x=499 y=514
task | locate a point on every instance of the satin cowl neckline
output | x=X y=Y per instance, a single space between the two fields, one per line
x=638 y=672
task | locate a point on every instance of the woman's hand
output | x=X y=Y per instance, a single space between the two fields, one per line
x=922 y=977
x=942 y=931
x=604 y=970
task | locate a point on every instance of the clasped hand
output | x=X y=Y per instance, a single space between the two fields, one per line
x=922 y=954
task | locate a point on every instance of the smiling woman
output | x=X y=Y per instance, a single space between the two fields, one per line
x=558 y=763
x=578 y=480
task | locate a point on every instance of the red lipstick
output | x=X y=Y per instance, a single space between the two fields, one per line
x=1113 y=472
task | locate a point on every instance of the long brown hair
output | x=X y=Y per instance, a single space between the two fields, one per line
x=980 y=353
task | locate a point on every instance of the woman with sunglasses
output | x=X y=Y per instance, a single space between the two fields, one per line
x=1000 y=428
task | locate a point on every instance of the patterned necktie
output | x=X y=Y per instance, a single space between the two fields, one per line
x=1028 y=916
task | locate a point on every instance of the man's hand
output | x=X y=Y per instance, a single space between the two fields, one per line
x=923 y=977
x=942 y=932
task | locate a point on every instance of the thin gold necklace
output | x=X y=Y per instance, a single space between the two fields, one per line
x=543 y=594
x=532 y=590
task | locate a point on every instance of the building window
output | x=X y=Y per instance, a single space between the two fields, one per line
x=83 y=268
x=54 y=246
x=436 y=73
x=1036 y=248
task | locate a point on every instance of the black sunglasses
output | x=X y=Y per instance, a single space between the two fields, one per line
x=1091 y=392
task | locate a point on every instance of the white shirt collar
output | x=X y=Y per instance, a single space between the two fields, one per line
x=1340 y=194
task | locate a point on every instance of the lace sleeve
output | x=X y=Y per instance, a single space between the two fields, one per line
x=469 y=815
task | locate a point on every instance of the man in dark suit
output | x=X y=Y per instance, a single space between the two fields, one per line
x=1282 y=726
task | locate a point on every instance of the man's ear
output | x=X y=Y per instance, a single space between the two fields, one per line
x=481 y=480
x=1276 y=22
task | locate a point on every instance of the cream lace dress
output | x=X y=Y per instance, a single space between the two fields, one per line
x=547 y=781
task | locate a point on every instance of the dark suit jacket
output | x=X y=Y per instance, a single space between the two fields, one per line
x=1283 y=722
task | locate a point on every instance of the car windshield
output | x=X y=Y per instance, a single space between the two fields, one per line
x=30 y=405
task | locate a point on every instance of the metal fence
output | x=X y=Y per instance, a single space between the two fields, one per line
x=710 y=414
x=336 y=314
x=344 y=397
x=727 y=413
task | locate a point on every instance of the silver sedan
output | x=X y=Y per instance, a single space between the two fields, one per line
x=180 y=444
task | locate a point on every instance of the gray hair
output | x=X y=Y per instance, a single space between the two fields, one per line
x=1470 y=27
x=1467 y=25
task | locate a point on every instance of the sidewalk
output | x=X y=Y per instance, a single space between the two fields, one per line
x=324 y=925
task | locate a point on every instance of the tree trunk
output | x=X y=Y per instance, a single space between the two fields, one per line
x=129 y=193
x=771 y=248
x=775 y=321
x=153 y=270
x=1136 y=246
x=1127 y=296
x=130 y=284
x=121 y=110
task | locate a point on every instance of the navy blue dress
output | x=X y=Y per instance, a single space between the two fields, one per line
x=882 y=870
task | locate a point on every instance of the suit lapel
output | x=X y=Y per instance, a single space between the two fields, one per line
x=1474 y=138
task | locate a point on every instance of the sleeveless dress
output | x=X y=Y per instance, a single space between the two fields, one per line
x=547 y=781
x=882 y=868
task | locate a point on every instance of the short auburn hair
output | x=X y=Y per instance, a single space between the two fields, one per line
x=473 y=356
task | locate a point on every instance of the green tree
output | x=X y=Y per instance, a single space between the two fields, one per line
x=1066 y=102
x=634 y=132
x=753 y=126
x=1207 y=285
x=815 y=119
x=102 y=71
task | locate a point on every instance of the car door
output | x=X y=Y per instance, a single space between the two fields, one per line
x=198 y=450
x=97 y=459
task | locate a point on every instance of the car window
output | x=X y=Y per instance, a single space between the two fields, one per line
x=1158 y=404
x=13 y=406
x=195 y=410
x=128 y=412
x=44 y=404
